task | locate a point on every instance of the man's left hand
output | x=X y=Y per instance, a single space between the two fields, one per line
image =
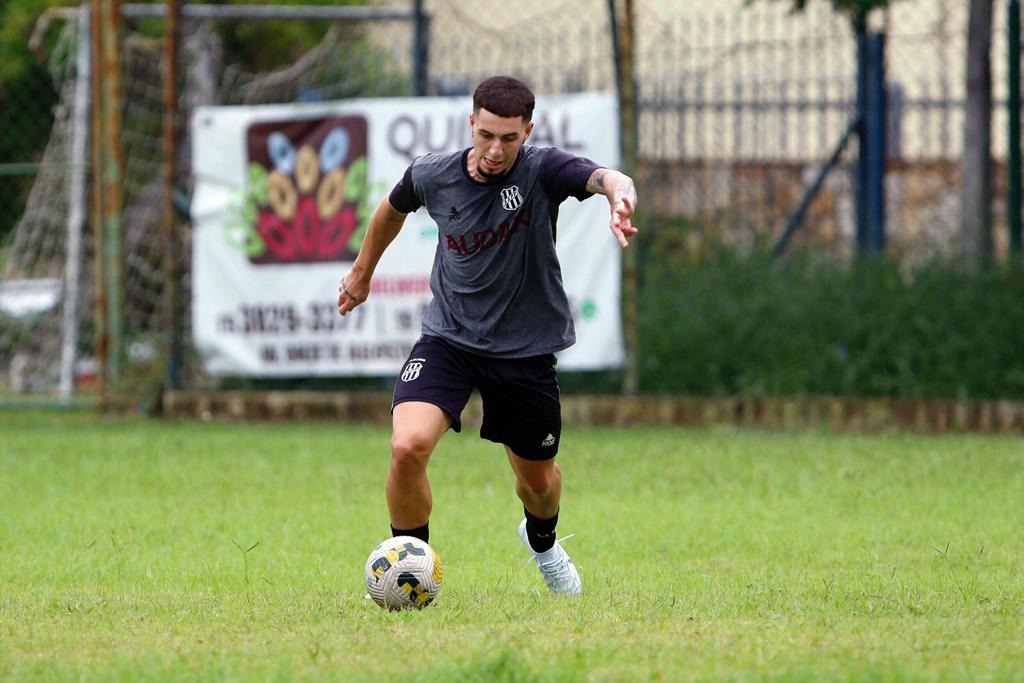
x=621 y=222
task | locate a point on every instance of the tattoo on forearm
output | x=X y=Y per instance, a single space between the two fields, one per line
x=612 y=184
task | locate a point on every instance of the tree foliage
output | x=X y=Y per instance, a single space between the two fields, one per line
x=17 y=21
x=856 y=10
x=850 y=6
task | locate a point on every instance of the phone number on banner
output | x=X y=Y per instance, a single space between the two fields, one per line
x=316 y=318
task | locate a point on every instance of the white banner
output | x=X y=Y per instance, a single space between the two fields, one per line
x=282 y=197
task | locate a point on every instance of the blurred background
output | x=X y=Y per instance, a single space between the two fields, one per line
x=829 y=190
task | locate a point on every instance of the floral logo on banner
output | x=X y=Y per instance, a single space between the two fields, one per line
x=305 y=199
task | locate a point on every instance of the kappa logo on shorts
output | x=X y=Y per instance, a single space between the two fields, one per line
x=548 y=441
x=510 y=198
x=412 y=369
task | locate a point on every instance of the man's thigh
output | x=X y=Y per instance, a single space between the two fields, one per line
x=418 y=426
x=436 y=374
x=521 y=406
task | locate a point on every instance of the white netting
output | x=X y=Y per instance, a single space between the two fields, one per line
x=33 y=255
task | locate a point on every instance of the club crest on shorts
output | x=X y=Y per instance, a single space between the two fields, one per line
x=412 y=369
x=510 y=198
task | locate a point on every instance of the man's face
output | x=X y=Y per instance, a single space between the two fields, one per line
x=496 y=141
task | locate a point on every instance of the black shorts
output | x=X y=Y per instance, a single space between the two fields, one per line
x=520 y=395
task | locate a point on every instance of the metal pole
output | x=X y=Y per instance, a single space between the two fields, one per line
x=875 y=129
x=613 y=22
x=99 y=268
x=627 y=104
x=861 y=207
x=797 y=217
x=976 y=160
x=191 y=10
x=170 y=144
x=77 y=208
x=1013 y=202
x=113 y=159
x=420 y=51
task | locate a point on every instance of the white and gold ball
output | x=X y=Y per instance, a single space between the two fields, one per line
x=403 y=572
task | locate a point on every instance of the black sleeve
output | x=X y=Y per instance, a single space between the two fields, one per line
x=565 y=175
x=403 y=196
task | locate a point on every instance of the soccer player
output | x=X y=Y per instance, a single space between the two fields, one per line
x=498 y=314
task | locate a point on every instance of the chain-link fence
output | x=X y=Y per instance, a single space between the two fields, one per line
x=738 y=107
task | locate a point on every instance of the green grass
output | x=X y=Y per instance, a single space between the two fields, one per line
x=125 y=555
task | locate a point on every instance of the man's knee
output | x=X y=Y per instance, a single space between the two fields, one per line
x=539 y=478
x=411 y=450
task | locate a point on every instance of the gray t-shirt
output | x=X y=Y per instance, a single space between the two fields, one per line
x=496 y=280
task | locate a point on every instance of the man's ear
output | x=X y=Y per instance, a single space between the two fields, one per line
x=529 y=129
x=472 y=120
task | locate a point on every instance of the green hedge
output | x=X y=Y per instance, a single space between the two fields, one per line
x=726 y=324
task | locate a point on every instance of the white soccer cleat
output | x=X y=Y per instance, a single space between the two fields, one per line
x=555 y=566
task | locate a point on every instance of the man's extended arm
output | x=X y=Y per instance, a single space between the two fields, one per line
x=384 y=226
x=618 y=188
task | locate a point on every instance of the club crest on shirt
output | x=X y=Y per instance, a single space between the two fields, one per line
x=510 y=198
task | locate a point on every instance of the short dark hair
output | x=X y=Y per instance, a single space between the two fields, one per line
x=505 y=96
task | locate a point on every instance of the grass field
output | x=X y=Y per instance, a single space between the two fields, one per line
x=136 y=550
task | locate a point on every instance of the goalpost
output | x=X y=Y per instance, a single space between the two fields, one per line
x=77 y=209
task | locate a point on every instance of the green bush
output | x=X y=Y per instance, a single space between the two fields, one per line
x=725 y=324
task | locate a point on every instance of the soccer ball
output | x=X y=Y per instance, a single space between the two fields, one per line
x=403 y=572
